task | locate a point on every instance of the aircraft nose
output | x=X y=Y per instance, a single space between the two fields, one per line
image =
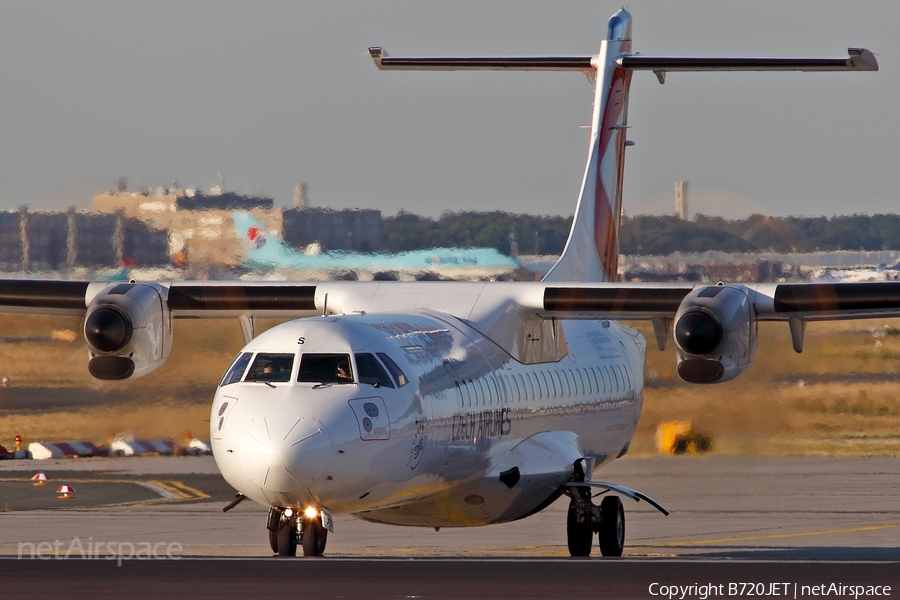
x=283 y=452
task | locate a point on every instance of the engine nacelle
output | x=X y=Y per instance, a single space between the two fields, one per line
x=715 y=334
x=128 y=330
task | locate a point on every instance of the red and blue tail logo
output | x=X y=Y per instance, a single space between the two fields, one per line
x=256 y=237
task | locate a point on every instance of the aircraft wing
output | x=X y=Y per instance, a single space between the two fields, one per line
x=123 y=318
x=771 y=302
x=222 y=299
x=185 y=299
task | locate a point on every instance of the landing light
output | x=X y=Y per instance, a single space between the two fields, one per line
x=311 y=512
x=288 y=512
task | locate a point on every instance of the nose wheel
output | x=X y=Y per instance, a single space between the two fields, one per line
x=288 y=530
x=314 y=537
x=272 y=524
x=286 y=538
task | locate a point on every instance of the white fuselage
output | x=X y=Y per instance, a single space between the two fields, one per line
x=429 y=452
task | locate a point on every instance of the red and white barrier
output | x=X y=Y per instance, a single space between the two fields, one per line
x=45 y=450
x=126 y=447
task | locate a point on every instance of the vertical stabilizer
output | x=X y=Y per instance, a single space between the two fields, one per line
x=592 y=250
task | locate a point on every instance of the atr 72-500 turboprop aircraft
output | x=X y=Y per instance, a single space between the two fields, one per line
x=457 y=404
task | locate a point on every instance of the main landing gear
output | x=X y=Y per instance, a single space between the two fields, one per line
x=607 y=520
x=585 y=519
x=289 y=529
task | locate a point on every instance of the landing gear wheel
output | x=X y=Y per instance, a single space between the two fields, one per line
x=272 y=526
x=612 y=527
x=273 y=541
x=314 y=537
x=286 y=539
x=580 y=537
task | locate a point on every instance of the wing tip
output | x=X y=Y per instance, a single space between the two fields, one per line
x=377 y=53
x=862 y=59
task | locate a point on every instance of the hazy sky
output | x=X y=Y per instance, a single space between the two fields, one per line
x=269 y=93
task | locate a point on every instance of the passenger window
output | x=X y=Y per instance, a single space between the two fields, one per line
x=236 y=371
x=369 y=371
x=628 y=385
x=467 y=385
x=557 y=384
x=594 y=380
x=268 y=368
x=325 y=368
x=482 y=388
x=623 y=377
x=529 y=387
x=396 y=373
x=492 y=389
x=607 y=384
x=583 y=382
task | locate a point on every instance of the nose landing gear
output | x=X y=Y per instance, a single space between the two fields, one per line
x=289 y=529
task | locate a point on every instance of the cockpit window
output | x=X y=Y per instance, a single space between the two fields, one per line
x=325 y=368
x=237 y=368
x=369 y=371
x=271 y=368
x=396 y=373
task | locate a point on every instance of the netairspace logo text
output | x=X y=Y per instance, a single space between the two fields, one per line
x=773 y=590
x=91 y=550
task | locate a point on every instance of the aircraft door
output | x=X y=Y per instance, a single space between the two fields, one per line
x=376 y=413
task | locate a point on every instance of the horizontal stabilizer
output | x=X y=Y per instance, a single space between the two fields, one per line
x=858 y=59
x=559 y=62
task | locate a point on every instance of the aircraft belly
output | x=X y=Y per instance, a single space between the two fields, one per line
x=520 y=482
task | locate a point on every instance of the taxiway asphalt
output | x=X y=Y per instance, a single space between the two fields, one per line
x=722 y=507
x=439 y=579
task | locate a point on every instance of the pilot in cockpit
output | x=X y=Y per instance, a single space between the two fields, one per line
x=342 y=372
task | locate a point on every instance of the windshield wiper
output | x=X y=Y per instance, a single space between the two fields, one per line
x=268 y=383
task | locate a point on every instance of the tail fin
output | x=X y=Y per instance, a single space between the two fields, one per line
x=592 y=250
x=264 y=249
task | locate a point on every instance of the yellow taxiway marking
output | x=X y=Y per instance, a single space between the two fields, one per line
x=198 y=495
x=775 y=536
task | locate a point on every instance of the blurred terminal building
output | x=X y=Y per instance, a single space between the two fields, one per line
x=173 y=227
